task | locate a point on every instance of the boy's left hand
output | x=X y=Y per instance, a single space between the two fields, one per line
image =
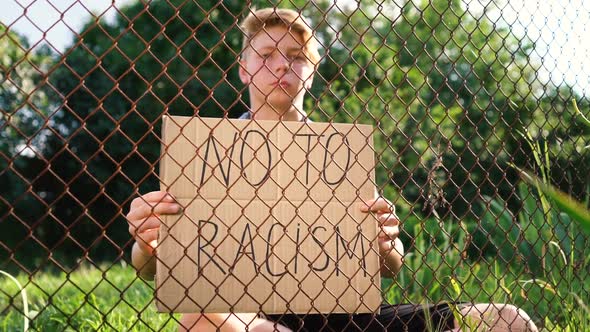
x=388 y=222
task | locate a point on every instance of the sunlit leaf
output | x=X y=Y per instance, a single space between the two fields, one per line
x=567 y=204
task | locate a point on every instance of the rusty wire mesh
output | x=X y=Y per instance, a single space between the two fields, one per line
x=456 y=92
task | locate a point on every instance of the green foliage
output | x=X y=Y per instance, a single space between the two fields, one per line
x=24 y=97
x=433 y=80
x=27 y=103
x=108 y=298
x=559 y=252
x=434 y=84
x=436 y=250
x=566 y=134
x=524 y=237
x=544 y=219
x=118 y=80
x=25 y=301
x=436 y=269
x=585 y=119
x=562 y=201
x=444 y=90
x=112 y=298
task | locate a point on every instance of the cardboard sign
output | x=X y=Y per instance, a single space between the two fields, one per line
x=271 y=219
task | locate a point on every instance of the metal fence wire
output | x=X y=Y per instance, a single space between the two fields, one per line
x=458 y=96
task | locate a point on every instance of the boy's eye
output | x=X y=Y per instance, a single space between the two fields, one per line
x=264 y=54
x=297 y=58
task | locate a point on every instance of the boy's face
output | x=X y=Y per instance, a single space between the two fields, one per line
x=276 y=68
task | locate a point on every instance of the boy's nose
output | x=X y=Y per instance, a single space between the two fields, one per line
x=282 y=63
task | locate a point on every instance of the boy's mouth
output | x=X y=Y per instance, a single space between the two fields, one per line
x=281 y=83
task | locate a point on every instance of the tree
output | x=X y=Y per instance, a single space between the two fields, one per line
x=443 y=87
x=27 y=102
x=119 y=79
x=24 y=96
x=445 y=90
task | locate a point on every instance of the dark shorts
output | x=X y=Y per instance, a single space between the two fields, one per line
x=398 y=317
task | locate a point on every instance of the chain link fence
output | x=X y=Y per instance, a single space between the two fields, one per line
x=459 y=94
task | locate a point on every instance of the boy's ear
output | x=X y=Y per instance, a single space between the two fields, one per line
x=244 y=76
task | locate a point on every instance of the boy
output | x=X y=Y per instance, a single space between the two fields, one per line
x=278 y=63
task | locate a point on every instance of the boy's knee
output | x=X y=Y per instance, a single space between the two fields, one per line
x=207 y=322
x=227 y=323
x=499 y=317
x=516 y=319
x=191 y=322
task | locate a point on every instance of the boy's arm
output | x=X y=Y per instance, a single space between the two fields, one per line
x=391 y=263
x=391 y=249
x=144 y=264
x=144 y=222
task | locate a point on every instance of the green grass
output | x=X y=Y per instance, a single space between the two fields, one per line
x=437 y=267
x=88 y=299
x=112 y=298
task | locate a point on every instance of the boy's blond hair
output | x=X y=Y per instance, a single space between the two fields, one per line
x=270 y=17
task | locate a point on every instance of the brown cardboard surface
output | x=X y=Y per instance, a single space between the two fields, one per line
x=271 y=218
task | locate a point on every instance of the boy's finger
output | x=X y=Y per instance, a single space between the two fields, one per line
x=388 y=219
x=376 y=205
x=153 y=197
x=143 y=211
x=148 y=240
x=152 y=222
x=148 y=236
x=389 y=232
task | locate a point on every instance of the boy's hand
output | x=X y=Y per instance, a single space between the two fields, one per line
x=388 y=223
x=144 y=218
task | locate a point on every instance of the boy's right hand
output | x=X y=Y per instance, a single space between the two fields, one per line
x=144 y=218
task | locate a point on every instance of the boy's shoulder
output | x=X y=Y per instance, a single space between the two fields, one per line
x=247 y=116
